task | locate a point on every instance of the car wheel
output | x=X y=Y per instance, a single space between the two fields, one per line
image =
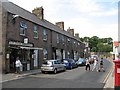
x=64 y=68
x=55 y=71
x=43 y=71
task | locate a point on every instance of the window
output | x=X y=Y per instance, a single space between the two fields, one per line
x=44 y=34
x=35 y=31
x=45 y=54
x=57 y=38
x=68 y=40
x=23 y=28
x=63 y=40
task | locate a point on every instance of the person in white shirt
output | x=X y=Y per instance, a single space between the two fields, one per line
x=18 y=65
x=95 y=64
x=87 y=65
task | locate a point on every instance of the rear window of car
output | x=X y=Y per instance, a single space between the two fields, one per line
x=65 y=61
x=48 y=63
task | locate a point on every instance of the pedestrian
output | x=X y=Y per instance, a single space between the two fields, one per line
x=95 y=64
x=87 y=65
x=101 y=65
x=18 y=65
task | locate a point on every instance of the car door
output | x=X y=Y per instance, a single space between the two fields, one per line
x=57 y=66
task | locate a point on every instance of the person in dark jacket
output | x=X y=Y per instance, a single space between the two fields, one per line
x=101 y=65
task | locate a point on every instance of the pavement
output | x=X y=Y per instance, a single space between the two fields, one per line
x=13 y=76
x=109 y=80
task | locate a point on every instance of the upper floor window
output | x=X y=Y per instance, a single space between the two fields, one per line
x=44 y=34
x=68 y=40
x=23 y=28
x=63 y=40
x=35 y=31
x=58 y=38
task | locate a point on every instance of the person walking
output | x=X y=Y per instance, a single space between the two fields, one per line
x=87 y=65
x=101 y=65
x=18 y=65
x=95 y=65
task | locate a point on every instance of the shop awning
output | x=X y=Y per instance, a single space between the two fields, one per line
x=35 y=48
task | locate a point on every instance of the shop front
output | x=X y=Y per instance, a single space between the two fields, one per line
x=21 y=50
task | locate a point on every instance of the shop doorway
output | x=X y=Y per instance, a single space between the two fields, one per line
x=13 y=56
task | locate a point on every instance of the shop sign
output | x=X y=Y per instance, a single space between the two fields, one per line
x=20 y=44
x=26 y=40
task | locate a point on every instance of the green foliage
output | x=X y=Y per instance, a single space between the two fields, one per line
x=97 y=44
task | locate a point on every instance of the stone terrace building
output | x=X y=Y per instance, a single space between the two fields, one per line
x=33 y=39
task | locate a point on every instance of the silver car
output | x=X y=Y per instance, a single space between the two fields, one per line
x=52 y=66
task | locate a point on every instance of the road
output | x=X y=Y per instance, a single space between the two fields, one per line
x=75 y=78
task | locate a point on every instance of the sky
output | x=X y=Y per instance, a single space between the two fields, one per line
x=87 y=17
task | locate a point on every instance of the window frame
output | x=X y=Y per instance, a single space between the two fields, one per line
x=58 y=41
x=44 y=35
x=23 y=28
x=35 y=30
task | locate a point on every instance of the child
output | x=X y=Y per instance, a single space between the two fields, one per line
x=101 y=66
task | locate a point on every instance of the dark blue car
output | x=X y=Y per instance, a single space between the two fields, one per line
x=69 y=63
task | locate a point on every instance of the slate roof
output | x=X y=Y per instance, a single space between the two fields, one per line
x=15 y=9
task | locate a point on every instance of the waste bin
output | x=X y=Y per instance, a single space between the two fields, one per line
x=117 y=75
x=21 y=68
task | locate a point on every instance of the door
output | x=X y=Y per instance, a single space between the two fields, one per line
x=35 y=58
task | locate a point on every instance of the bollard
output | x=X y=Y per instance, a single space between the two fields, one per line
x=117 y=75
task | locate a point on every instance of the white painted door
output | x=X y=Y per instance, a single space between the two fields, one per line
x=35 y=58
x=63 y=54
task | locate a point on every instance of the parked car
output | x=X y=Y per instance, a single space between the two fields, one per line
x=52 y=66
x=69 y=63
x=81 y=61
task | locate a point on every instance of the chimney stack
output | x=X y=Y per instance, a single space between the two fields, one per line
x=60 y=25
x=77 y=35
x=71 y=31
x=39 y=12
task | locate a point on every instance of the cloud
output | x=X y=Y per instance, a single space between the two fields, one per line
x=86 y=6
x=111 y=12
x=94 y=8
x=85 y=27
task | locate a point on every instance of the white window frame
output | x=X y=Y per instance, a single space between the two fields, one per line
x=35 y=31
x=44 y=34
x=23 y=27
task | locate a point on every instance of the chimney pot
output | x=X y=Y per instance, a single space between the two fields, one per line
x=77 y=35
x=71 y=31
x=60 y=25
x=39 y=12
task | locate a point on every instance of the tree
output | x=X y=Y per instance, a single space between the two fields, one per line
x=97 y=44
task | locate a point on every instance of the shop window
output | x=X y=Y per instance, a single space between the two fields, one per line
x=45 y=53
x=23 y=28
x=35 y=31
x=44 y=34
